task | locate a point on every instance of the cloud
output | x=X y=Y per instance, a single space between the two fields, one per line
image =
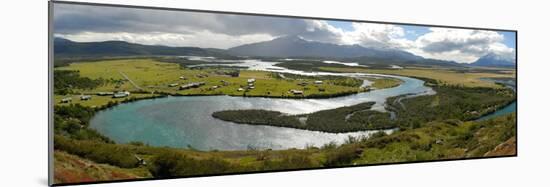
x=461 y=45
x=184 y=28
x=376 y=35
x=204 y=39
x=73 y=19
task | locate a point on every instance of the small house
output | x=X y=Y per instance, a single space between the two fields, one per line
x=85 y=97
x=251 y=81
x=297 y=92
x=183 y=78
x=240 y=89
x=104 y=93
x=192 y=85
x=140 y=160
x=121 y=94
x=318 y=82
x=173 y=85
x=66 y=100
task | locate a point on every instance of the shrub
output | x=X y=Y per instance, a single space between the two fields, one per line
x=173 y=164
x=343 y=155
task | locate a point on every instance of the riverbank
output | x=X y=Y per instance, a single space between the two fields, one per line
x=434 y=141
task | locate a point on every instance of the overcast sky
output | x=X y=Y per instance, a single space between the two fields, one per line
x=178 y=28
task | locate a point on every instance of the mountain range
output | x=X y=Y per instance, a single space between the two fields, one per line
x=494 y=60
x=282 y=47
x=67 y=48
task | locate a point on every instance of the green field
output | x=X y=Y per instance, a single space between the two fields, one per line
x=443 y=76
x=152 y=78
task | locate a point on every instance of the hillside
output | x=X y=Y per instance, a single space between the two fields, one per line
x=494 y=60
x=68 y=48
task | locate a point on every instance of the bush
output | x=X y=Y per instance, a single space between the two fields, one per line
x=173 y=164
x=99 y=152
x=344 y=155
x=289 y=161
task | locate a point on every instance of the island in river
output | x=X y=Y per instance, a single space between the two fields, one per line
x=253 y=115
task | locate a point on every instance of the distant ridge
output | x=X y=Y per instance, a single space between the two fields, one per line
x=494 y=60
x=296 y=46
x=67 y=48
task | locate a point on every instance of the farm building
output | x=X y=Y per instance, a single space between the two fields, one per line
x=66 y=100
x=318 y=82
x=85 y=97
x=105 y=93
x=191 y=85
x=297 y=92
x=251 y=81
x=240 y=89
x=183 y=78
x=121 y=94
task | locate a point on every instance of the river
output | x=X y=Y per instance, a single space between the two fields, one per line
x=186 y=121
x=510 y=108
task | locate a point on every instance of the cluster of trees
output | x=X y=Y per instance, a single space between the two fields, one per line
x=97 y=151
x=258 y=117
x=73 y=121
x=450 y=102
x=347 y=119
x=344 y=119
x=66 y=80
x=173 y=164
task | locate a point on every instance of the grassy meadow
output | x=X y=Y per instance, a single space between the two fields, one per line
x=152 y=78
x=443 y=76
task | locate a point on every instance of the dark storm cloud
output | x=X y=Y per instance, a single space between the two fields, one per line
x=73 y=19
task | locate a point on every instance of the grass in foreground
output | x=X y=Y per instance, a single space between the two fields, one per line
x=436 y=140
